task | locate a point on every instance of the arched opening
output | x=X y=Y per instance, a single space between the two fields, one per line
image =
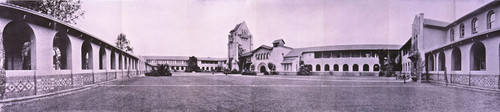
x=345 y=67
x=19 y=46
x=318 y=67
x=442 y=62
x=86 y=55
x=456 y=59
x=327 y=67
x=366 y=67
x=61 y=52
x=263 y=69
x=120 y=61
x=376 y=67
x=102 y=58
x=125 y=62
x=113 y=60
x=335 y=67
x=355 y=67
x=478 y=56
x=430 y=62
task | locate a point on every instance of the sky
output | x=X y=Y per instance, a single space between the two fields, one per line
x=201 y=27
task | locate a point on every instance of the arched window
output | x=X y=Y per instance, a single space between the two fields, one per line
x=102 y=58
x=327 y=67
x=120 y=61
x=355 y=67
x=366 y=67
x=475 y=25
x=18 y=38
x=335 y=67
x=430 y=62
x=318 y=67
x=202 y=68
x=442 y=62
x=86 y=55
x=376 y=67
x=478 y=56
x=456 y=60
x=452 y=35
x=491 y=19
x=113 y=60
x=462 y=30
x=61 y=52
x=345 y=67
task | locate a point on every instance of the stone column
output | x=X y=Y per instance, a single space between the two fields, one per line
x=3 y=76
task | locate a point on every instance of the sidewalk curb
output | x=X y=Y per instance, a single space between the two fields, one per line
x=463 y=86
x=5 y=102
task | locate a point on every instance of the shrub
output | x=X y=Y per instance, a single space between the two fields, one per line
x=249 y=73
x=305 y=70
x=266 y=73
x=274 y=73
x=234 y=71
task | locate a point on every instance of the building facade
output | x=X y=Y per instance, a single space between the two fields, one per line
x=180 y=63
x=240 y=41
x=42 y=55
x=465 y=51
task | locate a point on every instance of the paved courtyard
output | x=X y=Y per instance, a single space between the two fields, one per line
x=207 y=92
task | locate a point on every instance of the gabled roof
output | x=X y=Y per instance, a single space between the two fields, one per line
x=299 y=51
x=238 y=27
x=437 y=23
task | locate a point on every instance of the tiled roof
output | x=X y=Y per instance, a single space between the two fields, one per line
x=299 y=51
x=183 y=58
x=288 y=60
x=435 y=23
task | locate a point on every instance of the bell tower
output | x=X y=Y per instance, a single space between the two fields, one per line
x=239 y=42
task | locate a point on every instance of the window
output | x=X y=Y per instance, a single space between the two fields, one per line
x=475 y=24
x=478 y=56
x=318 y=54
x=452 y=35
x=462 y=30
x=491 y=19
x=456 y=60
x=345 y=67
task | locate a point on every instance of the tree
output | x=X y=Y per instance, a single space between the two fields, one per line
x=192 y=64
x=123 y=43
x=241 y=60
x=271 y=66
x=65 y=10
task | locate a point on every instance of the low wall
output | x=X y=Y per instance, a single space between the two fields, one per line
x=478 y=80
x=335 y=73
x=20 y=83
